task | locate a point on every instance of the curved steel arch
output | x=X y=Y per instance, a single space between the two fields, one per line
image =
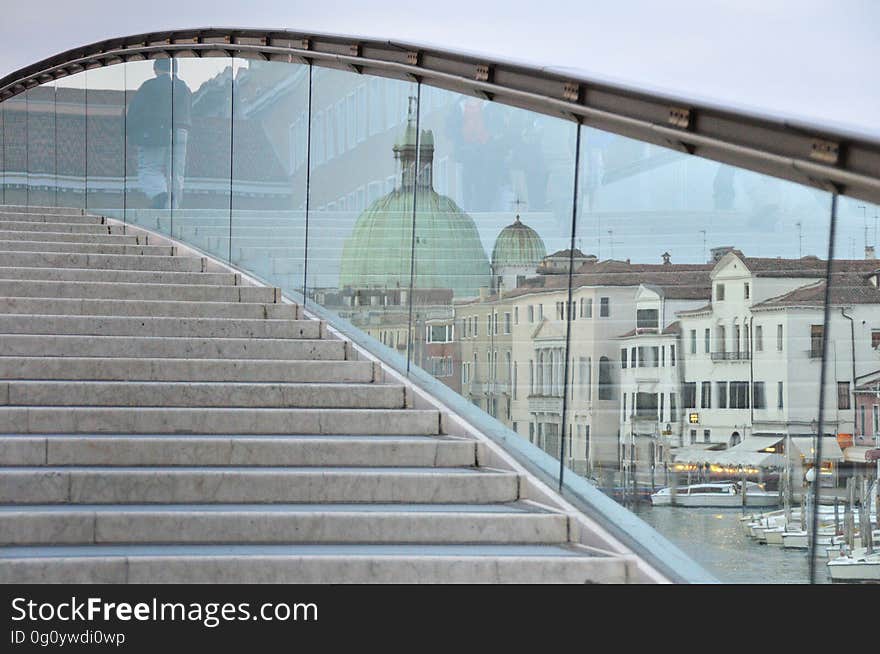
x=827 y=158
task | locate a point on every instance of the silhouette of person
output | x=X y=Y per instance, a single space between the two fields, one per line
x=159 y=135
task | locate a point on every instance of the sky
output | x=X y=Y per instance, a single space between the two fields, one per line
x=810 y=61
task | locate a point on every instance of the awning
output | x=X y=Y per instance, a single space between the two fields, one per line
x=860 y=454
x=696 y=453
x=830 y=448
x=750 y=453
x=758 y=442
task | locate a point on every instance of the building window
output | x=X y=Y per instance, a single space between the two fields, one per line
x=736 y=338
x=663 y=356
x=706 y=395
x=721 y=340
x=779 y=338
x=515 y=315
x=540 y=312
x=660 y=416
x=706 y=435
x=606 y=384
x=624 y=407
x=689 y=395
x=721 y=394
x=604 y=307
x=623 y=357
x=759 y=338
x=816 y=333
x=489 y=325
x=588 y=387
x=719 y=292
x=862 y=420
x=647 y=318
x=746 y=291
x=758 y=399
x=514 y=384
x=642 y=362
x=440 y=333
x=875 y=411
x=441 y=366
x=531 y=313
x=780 y=403
x=738 y=397
x=843 y=395
x=507 y=323
x=693 y=436
x=672 y=408
x=646 y=405
x=531 y=377
x=707 y=343
x=672 y=355
x=655 y=355
x=495 y=323
x=589 y=313
x=875 y=338
x=693 y=341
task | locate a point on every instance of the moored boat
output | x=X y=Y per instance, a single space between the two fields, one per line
x=723 y=494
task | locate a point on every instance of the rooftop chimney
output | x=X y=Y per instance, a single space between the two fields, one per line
x=869 y=252
x=666 y=258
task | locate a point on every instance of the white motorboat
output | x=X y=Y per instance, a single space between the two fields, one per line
x=857 y=567
x=800 y=539
x=834 y=550
x=722 y=494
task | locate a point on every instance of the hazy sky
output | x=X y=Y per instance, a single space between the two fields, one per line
x=810 y=59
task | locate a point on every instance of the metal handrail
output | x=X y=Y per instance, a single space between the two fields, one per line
x=805 y=153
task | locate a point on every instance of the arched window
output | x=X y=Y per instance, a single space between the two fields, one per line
x=606 y=384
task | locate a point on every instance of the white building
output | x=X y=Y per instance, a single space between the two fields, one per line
x=752 y=356
x=651 y=371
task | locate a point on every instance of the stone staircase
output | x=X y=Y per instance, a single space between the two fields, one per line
x=164 y=418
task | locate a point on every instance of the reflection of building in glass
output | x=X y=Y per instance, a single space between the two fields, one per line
x=517 y=253
x=447 y=252
x=660 y=367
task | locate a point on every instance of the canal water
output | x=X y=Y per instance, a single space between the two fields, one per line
x=714 y=539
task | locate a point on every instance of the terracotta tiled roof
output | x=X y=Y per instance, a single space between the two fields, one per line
x=846 y=288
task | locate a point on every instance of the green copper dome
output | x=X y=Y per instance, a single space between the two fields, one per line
x=448 y=251
x=517 y=245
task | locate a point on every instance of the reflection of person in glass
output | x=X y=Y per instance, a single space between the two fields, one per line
x=161 y=156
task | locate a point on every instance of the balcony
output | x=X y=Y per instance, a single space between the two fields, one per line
x=731 y=356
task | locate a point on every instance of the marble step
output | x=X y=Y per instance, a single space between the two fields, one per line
x=151 y=347
x=125 y=276
x=164 y=420
x=100 y=261
x=155 y=308
x=61 y=237
x=36 y=209
x=81 y=230
x=302 y=564
x=201 y=394
x=236 y=450
x=515 y=522
x=255 y=328
x=185 y=369
x=87 y=248
x=32 y=217
x=229 y=484
x=134 y=291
